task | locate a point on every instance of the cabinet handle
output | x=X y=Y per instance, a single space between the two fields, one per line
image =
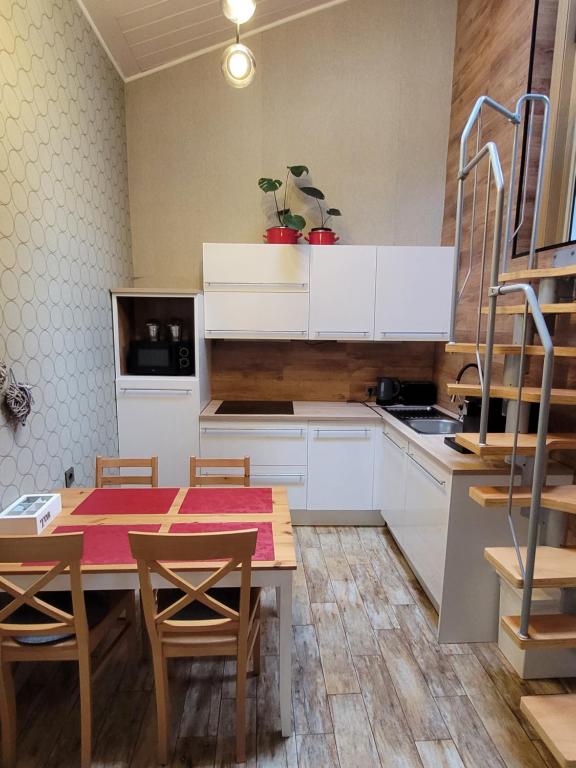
x=343 y=333
x=340 y=432
x=136 y=391
x=412 y=333
x=209 y=283
x=254 y=432
x=299 y=479
x=440 y=483
x=254 y=331
x=400 y=447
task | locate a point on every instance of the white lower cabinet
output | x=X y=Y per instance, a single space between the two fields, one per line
x=424 y=529
x=390 y=480
x=292 y=478
x=340 y=466
x=282 y=444
x=157 y=417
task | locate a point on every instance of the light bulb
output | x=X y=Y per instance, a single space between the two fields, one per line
x=238 y=65
x=238 y=11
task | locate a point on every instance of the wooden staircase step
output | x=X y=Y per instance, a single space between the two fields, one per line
x=561 y=498
x=537 y=274
x=565 y=308
x=555 y=566
x=546 y=630
x=532 y=350
x=553 y=718
x=500 y=443
x=529 y=394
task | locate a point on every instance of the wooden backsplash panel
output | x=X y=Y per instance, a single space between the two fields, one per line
x=297 y=370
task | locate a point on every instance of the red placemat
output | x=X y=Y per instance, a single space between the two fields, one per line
x=127 y=501
x=264 y=542
x=227 y=501
x=106 y=544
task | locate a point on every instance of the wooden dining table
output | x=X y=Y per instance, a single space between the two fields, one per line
x=105 y=515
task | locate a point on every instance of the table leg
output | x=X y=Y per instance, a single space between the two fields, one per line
x=286 y=654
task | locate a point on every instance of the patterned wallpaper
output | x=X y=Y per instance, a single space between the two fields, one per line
x=64 y=239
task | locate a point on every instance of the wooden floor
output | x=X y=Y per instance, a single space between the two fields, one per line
x=371 y=686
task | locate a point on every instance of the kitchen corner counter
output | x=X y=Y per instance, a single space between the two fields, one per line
x=304 y=410
x=443 y=455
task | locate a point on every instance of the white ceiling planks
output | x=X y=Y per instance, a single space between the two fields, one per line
x=142 y=36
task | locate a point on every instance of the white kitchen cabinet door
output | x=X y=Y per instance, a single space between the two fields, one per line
x=291 y=478
x=161 y=421
x=267 y=444
x=340 y=466
x=392 y=481
x=255 y=315
x=413 y=293
x=246 y=266
x=342 y=290
x=425 y=523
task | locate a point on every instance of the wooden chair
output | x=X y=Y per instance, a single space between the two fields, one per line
x=199 y=620
x=240 y=479
x=103 y=463
x=39 y=625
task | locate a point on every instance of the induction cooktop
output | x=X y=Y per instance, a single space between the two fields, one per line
x=256 y=407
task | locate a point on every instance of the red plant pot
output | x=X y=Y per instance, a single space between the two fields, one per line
x=282 y=236
x=320 y=236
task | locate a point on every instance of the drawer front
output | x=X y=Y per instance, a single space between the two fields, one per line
x=253 y=315
x=294 y=479
x=266 y=445
x=246 y=266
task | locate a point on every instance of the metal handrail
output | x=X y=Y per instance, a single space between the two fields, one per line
x=540 y=459
x=465 y=166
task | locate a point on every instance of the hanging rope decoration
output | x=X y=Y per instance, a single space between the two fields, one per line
x=17 y=397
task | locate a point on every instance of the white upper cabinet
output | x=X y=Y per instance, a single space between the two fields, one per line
x=413 y=293
x=247 y=267
x=256 y=291
x=342 y=287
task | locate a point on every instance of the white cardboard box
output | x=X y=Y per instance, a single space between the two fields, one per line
x=30 y=514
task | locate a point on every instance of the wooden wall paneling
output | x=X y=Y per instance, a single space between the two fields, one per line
x=326 y=370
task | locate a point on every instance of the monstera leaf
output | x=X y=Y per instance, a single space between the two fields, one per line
x=293 y=221
x=333 y=212
x=298 y=170
x=269 y=185
x=312 y=192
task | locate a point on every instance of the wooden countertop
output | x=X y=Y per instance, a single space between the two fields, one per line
x=304 y=410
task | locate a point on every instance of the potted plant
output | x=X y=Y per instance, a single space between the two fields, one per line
x=290 y=224
x=321 y=235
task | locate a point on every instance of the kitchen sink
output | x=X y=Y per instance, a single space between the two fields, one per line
x=444 y=426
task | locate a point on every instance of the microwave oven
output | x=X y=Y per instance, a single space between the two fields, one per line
x=161 y=358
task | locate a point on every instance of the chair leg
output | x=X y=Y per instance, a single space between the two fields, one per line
x=8 y=715
x=85 y=710
x=241 y=669
x=162 y=704
x=132 y=633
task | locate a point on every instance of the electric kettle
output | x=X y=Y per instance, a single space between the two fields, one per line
x=387 y=390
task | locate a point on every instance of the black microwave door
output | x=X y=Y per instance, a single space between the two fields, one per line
x=149 y=358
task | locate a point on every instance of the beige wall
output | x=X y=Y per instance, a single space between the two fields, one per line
x=359 y=92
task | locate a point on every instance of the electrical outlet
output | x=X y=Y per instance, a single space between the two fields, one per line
x=69 y=477
x=371 y=391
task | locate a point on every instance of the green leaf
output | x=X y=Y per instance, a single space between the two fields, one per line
x=283 y=212
x=333 y=212
x=298 y=170
x=269 y=185
x=294 y=221
x=312 y=192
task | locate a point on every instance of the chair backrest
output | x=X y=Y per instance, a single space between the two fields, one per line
x=59 y=553
x=103 y=463
x=242 y=478
x=231 y=549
